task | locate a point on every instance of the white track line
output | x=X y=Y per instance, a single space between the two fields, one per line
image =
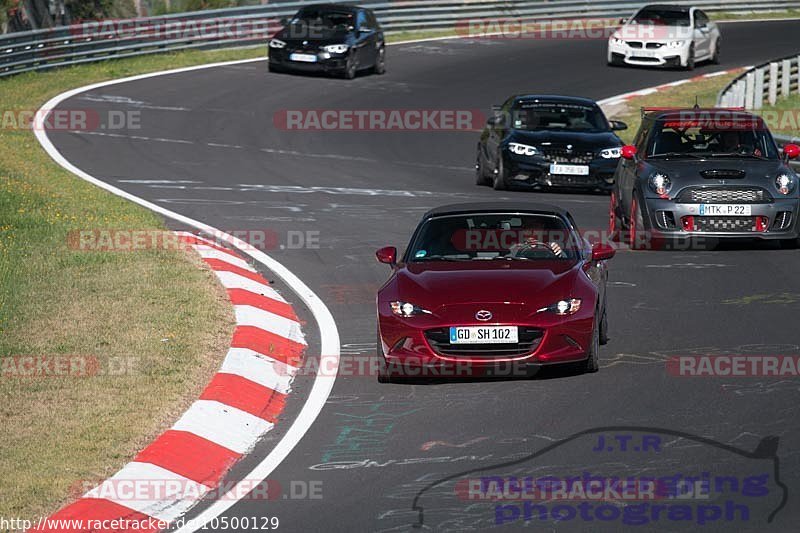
x=329 y=334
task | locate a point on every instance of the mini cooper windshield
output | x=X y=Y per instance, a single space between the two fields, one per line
x=558 y=116
x=701 y=138
x=481 y=237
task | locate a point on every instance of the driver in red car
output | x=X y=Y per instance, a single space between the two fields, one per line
x=537 y=239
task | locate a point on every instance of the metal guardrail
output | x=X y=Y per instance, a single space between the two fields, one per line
x=763 y=84
x=252 y=25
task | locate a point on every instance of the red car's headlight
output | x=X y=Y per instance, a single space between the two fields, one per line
x=407 y=309
x=563 y=307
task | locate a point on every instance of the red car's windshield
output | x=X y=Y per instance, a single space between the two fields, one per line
x=474 y=237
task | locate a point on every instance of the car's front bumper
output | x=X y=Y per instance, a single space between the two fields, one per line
x=324 y=62
x=674 y=219
x=405 y=343
x=660 y=57
x=534 y=173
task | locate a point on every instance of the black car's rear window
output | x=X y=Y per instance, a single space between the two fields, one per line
x=534 y=116
x=709 y=135
x=486 y=236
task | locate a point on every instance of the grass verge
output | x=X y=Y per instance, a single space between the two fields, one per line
x=784 y=116
x=153 y=324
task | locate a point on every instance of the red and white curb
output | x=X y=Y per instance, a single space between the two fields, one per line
x=240 y=404
x=623 y=98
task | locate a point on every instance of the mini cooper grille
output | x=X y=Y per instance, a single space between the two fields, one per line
x=751 y=195
x=567 y=156
x=529 y=339
x=730 y=224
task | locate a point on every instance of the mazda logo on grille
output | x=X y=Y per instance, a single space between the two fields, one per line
x=483 y=315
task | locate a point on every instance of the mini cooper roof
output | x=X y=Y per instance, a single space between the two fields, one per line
x=676 y=113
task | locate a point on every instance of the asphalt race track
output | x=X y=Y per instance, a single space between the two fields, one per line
x=393 y=456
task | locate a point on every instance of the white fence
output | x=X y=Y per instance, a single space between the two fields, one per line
x=764 y=84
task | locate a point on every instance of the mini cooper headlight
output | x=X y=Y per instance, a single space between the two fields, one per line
x=611 y=153
x=785 y=183
x=336 y=48
x=563 y=307
x=406 y=309
x=660 y=183
x=276 y=43
x=522 y=149
x=676 y=44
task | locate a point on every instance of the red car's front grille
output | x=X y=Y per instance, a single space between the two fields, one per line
x=529 y=339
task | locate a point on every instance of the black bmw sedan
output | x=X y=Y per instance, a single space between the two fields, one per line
x=330 y=38
x=535 y=141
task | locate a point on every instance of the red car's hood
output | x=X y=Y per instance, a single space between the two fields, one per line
x=434 y=285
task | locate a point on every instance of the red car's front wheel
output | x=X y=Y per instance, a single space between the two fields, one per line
x=592 y=363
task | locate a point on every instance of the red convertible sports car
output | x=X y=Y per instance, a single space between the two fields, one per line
x=491 y=285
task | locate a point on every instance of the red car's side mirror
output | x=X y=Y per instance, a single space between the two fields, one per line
x=387 y=254
x=602 y=251
x=628 y=151
x=791 y=151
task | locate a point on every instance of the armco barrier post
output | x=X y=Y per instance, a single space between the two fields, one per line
x=786 y=77
x=758 y=93
x=772 y=96
x=750 y=91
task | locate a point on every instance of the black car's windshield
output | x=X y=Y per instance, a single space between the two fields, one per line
x=713 y=136
x=486 y=237
x=557 y=116
x=324 y=19
x=662 y=17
